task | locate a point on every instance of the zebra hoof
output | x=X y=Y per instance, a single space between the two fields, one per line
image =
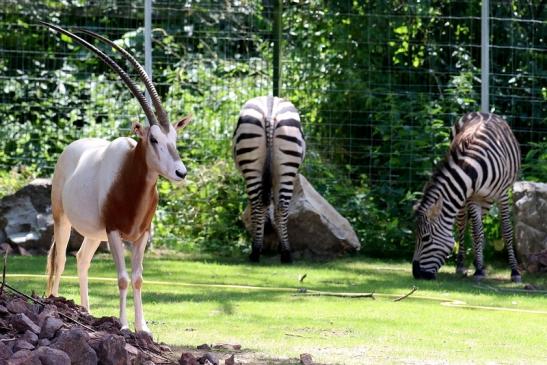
x=286 y=257
x=254 y=256
x=479 y=275
x=515 y=276
x=461 y=271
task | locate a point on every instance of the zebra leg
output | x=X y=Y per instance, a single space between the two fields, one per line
x=258 y=216
x=281 y=218
x=475 y=213
x=461 y=223
x=507 y=233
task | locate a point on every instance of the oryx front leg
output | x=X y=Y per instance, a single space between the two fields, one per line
x=136 y=281
x=83 y=259
x=116 y=247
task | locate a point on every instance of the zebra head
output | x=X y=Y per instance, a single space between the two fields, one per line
x=434 y=240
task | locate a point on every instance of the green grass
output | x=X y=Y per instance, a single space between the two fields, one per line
x=186 y=305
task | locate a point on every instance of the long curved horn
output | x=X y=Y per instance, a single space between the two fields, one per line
x=114 y=66
x=160 y=111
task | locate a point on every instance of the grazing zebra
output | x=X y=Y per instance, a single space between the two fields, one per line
x=268 y=148
x=482 y=164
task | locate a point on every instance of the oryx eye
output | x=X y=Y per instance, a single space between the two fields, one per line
x=153 y=140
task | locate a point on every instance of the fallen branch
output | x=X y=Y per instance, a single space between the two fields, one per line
x=315 y=293
x=406 y=295
x=295 y=335
x=4 y=272
x=510 y=290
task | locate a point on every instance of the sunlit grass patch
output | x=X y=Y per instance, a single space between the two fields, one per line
x=189 y=301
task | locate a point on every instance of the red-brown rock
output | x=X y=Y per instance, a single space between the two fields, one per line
x=74 y=344
x=51 y=356
x=187 y=359
x=22 y=323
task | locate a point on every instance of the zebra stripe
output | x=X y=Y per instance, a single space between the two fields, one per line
x=482 y=163
x=268 y=149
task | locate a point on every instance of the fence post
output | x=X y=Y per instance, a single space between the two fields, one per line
x=485 y=57
x=148 y=41
x=276 y=32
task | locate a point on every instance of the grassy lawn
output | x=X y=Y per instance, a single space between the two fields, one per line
x=190 y=301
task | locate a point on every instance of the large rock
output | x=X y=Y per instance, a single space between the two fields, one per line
x=315 y=228
x=51 y=356
x=530 y=200
x=74 y=343
x=26 y=220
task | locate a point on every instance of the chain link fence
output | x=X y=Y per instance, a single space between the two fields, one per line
x=378 y=83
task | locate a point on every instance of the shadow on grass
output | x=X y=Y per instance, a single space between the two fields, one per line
x=243 y=356
x=356 y=274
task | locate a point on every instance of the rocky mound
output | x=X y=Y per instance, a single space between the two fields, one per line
x=55 y=331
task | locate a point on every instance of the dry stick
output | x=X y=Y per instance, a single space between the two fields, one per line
x=4 y=272
x=331 y=294
x=511 y=290
x=295 y=335
x=406 y=295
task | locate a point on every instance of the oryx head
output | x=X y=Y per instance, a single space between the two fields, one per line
x=160 y=137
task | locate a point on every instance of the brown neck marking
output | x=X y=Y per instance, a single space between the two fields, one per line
x=133 y=198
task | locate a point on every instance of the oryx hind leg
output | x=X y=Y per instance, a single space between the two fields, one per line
x=57 y=253
x=83 y=259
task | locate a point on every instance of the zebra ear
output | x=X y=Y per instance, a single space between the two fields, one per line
x=435 y=210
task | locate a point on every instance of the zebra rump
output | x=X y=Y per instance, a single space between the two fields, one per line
x=482 y=164
x=268 y=149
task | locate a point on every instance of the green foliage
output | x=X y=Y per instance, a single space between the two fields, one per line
x=15 y=179
x=535 y=162
x=204 y=213
x=378 y=84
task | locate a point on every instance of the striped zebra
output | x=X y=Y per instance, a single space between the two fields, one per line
x=482 y=164
x=268 y=148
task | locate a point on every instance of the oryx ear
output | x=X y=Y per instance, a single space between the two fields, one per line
x=182 y=123
x=435 y=210
x=138 y=129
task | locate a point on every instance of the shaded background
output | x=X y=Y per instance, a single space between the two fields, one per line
x=378 y=84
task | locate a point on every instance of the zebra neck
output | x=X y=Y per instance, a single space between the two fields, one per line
x=450 y=202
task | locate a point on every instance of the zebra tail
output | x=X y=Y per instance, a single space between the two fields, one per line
x=267 y=179
x=267 y=171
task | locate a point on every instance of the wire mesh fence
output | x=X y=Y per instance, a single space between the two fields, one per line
x=378 y=83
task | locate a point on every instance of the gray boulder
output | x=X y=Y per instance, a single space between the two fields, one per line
x=315 y=228
x=26 y=221
x=530 y=201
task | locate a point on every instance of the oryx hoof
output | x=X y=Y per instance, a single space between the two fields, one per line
x=143 y=329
